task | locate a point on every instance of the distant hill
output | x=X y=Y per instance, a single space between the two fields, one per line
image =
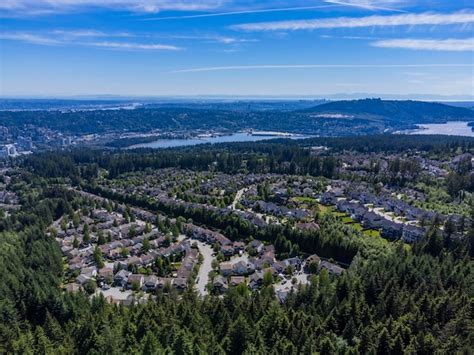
x=387 y=110
x=338 y=118
x=465 y=104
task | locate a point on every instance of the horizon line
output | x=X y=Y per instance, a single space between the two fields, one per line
x=257 y=97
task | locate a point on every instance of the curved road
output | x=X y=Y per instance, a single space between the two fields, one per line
x=237 y=198
x=205 y=268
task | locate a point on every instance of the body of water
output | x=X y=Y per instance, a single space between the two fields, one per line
x=453 y=128
x=236 y=137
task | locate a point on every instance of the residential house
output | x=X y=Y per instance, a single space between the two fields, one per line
x=220 y=284
x=242 y=268
x=226 y=269
x=228 y=250
x=257 y=245
x=294 y=262
x=282 y=295
x=180 y=283
x=162 y=282
x=328 y=198
x=279 y=267
x=106 y=273
x=391 y=230
x=239 y=246
x=237 y=280
x=121 y=277
x=256 y=280
x=312 y=261
x=308 y=227
x=73 y=287
x=147 y=260
x=150 y=283
x=90 y=271
x=331 y=268
x=83 y=279
x=412 y=234
x=135 y=280
x=269 y=253
x=372 y=220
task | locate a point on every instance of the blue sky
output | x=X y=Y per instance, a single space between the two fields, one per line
x=224 y=47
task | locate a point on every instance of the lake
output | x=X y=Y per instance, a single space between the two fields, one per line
x=453 y=128
x=236 y=137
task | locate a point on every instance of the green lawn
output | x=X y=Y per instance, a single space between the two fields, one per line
x=176 y=265
x=372 y=233
x=303 y=199
x=347 y=220
x=325 y=209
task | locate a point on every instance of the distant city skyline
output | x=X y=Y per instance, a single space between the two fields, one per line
x=388 y=48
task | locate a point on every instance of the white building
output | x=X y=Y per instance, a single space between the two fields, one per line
x=8 y=150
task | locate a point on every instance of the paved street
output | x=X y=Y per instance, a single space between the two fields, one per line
x=205 y=268
x=237 y=198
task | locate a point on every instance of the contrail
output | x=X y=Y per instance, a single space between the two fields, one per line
x=230 y=13
x=317 y=66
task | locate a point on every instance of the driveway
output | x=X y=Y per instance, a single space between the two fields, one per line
x=286 y=285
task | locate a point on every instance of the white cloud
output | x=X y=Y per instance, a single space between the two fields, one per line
x=67 y=41
x=208 y=38
x=29 y=38
x=96 y=38
x=84 y=33
x=133 y=46
x=458 y=45
x=369 y=4
x=319 y=66
x=463 y=17
x=38 y=7
x=242 y=12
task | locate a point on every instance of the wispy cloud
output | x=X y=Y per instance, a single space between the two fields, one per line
x=349 y=37
x=90 y=33
x=319 y=66
x=457 y=45
x=369 y=4
x=84 y=33
x=44 y=40
x=209 y=38
x=119 y=40
x=462 y=17
x=29 y=38
x=39 y=7
x=132 y=46
x=242 y=12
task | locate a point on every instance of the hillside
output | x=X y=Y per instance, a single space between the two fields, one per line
x=339 y=118
x=400 y=111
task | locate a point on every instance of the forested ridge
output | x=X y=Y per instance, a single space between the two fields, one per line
x=356 y=117
x=407 y=111
x=392 y=300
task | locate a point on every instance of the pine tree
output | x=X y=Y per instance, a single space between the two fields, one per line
x=384 y=346
x=239 y=336
x=150 y=345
